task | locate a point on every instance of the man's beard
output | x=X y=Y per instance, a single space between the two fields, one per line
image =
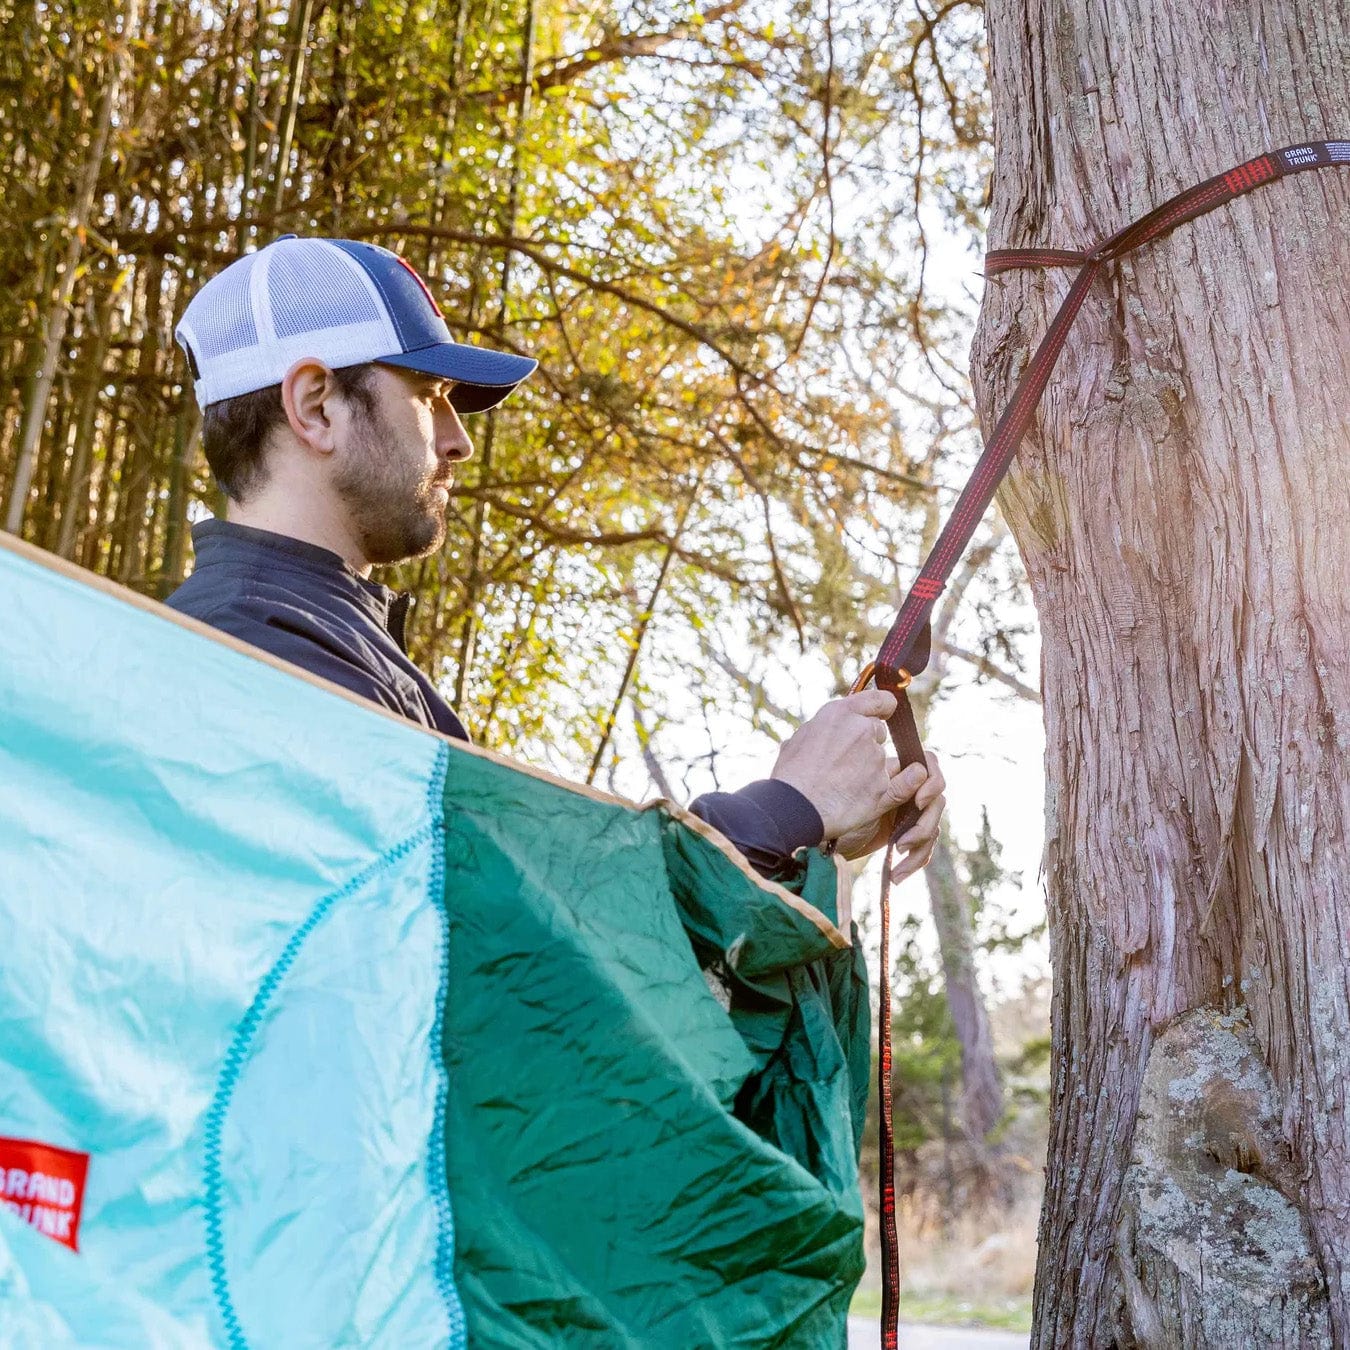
x=392 y=502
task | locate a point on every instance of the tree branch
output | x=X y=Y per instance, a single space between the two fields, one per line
x=987 y=667
x=617 y=47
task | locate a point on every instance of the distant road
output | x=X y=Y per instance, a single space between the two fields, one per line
x=865 y=1334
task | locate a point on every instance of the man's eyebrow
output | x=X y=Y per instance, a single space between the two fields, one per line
x=437 y=383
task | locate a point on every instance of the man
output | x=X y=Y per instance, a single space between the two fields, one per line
x=332 y=396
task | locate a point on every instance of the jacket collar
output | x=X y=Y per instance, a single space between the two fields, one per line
x=223 y=543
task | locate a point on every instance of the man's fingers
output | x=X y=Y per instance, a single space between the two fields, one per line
x=870 y=703
x=914 y=861
x=903 y=784
x=919 y=843
x=924 y=831
x=933 y=786
x=926 y=786
x=929 y=791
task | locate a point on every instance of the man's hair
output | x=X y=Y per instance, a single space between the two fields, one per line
x=235 y=430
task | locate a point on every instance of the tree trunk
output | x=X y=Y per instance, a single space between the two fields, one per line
x=186 y=445
x=139 y=476
x=58 y=310
x=1182 y=510
x=295 y=78
x=244 y=231
x=981 y=1089
x=949 y=897
x=482 y=515
x=75 y=503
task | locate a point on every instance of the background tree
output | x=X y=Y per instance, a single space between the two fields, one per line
x=721 y=228
x=1182 y=515
x=949 y=1084
x=681 y=211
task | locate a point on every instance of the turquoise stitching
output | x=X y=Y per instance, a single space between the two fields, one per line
x=213 y=1172
x=438 y=1177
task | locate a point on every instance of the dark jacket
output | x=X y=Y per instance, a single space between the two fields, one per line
x=304 y=604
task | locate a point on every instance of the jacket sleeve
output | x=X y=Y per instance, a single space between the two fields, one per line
x=767 y=820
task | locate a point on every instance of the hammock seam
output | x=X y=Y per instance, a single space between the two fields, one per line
x=438 y=1175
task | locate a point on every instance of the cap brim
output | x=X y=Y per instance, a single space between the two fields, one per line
x=482 y=377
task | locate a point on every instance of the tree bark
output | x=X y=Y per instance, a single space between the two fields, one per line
x=1182 y=512
x=1210 y=1190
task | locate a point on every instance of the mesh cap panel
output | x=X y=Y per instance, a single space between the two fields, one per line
x=233 y=326
x=308 y=291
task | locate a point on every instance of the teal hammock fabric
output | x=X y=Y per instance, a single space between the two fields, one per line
x=317 y=1029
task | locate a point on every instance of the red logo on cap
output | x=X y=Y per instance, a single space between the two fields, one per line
x=44 y=1186
x=431 y=299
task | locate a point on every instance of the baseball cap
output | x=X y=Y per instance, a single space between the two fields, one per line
x=340 y=301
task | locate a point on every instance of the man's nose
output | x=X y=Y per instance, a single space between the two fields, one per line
x=452 y=441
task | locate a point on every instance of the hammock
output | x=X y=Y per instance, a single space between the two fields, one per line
x=321 y=1030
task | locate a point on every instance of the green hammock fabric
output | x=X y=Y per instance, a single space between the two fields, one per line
x=644 y=1148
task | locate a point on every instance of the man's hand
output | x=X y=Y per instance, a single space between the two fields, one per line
x=838 y=762
x=916 y=845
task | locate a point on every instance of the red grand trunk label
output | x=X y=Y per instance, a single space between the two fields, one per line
x=44 y=1186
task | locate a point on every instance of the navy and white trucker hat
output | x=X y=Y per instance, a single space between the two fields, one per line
x=341 y=302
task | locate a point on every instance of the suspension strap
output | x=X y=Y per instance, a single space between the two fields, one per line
x=905 y=650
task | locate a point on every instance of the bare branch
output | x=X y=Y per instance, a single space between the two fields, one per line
x=826 y=175
x=987 y=668
x=618 y=47
x=649 y=759
x=759 y=699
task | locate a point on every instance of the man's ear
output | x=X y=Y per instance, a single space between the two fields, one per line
x=309 y=393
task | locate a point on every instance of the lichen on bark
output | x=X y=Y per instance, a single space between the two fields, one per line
x=1213 y=1245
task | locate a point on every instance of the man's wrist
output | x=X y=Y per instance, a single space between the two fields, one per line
x=767 y=820
x=799 y=823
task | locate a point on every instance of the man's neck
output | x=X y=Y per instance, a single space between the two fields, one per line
x=312 y=526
